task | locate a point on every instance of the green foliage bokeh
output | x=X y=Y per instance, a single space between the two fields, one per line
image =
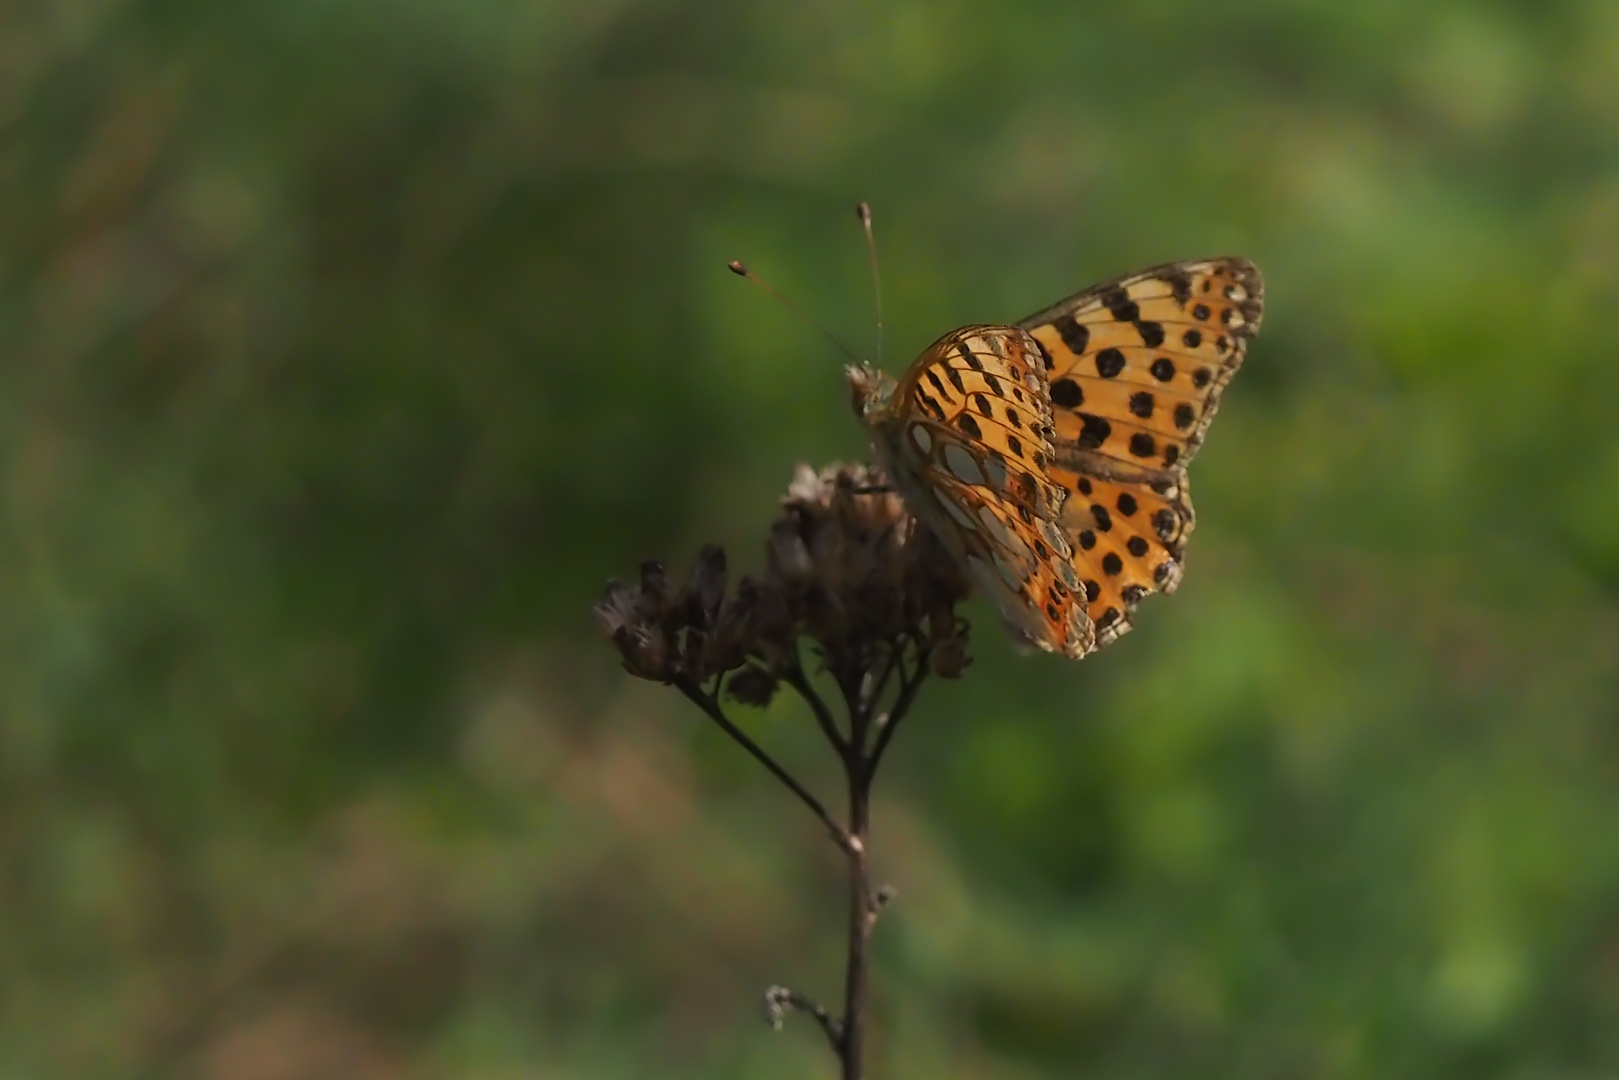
x=347 y=347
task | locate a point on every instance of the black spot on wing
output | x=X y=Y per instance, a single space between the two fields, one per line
x=1094 y=432
x=1073 y=334
x=1066 y=393
x=1118 y=302
x=1180 y=283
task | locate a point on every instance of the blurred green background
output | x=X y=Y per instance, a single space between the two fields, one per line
x=347 y=347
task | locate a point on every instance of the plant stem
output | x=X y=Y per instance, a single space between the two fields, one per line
x=710 y=705
x=860 y=922
x=847 y=1035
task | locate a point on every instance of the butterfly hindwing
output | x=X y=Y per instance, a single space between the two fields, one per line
x=1128 y=537
x=1025 y=567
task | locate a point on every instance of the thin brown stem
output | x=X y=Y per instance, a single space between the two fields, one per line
x=710 y=706
x=860 y=923
x=889 y=721
x=795 y=678
x=879 y=686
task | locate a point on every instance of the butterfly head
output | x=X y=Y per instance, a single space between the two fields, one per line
x=869 y=390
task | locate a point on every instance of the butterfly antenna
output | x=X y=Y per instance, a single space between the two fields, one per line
x=736 y=267
x=864 y=213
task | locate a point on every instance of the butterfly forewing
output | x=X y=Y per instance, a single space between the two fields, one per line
x=968 y=437
x=1137 y=364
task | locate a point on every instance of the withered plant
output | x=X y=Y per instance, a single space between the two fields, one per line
x=853 y=588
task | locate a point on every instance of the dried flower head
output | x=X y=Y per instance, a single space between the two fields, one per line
x=847 y=568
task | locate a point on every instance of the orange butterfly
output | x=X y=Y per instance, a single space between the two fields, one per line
x=1051 y=456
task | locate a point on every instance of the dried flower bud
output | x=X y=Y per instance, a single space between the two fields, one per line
x=788 y=555
x=778 y=1002
x=705 y=586
x=618 y=608
x=656 y=596
x=948 y=658
x=775 y=623
x=753 y=685
x=646 y=653
x=727 y=646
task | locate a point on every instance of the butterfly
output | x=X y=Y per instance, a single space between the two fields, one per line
x=1050 y=456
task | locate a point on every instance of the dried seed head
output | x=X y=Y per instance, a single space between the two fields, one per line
x=857 y=567
x=846 y=567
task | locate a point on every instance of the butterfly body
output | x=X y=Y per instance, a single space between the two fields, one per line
x=1050 y=457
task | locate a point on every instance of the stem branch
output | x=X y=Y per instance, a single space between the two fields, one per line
x=710 y=706
x=795 y=678
x=780 y=1000
x=908 y=686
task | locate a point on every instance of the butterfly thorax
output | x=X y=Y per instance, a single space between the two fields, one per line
x=871 y=393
